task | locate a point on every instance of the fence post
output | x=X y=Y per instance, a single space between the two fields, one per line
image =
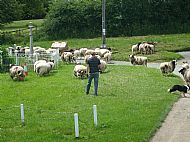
x=16 y=55
x=22 y=113
x=31 y=39
x=76 y=125
x=95 y=115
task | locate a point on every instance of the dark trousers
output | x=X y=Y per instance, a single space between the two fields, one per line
x=94 y=76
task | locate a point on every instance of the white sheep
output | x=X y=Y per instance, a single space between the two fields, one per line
x=44 y=68
x=103 y=51
x=107 y=56
x=17 y=73
x=102 y=66
x=37 y=62
x=138 y=60
x=68 y=57
x=135 y=48
x=80 y=71
x=168 y=67
x=76 y=54
x=89 y=52
x=185 y=65
x=186 y=75
x=82 y=51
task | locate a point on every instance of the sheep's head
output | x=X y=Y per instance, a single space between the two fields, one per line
x=132 y=58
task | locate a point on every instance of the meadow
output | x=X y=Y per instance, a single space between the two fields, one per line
x=166 y=47
x=131 y=103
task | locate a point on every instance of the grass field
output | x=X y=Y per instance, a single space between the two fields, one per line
x=23 y=24
x=131 y=104
x=166 y=48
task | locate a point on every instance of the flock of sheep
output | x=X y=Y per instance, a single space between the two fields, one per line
x=43 y=67
x=141 y=48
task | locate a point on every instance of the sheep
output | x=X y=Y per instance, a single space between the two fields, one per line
x=185 y=65
x=107 y=56
x=89 y=52
x=186 y=75
x=102 y=66
x=76 y=54
x=44 y=68
x=68 y=57
x=138 y=60
x=168 y=67
x=146 y=47
x=80 y=71
x=135 y=48
x=37 y=62
x=82 y=51
x=103 y=51
x=17 y=73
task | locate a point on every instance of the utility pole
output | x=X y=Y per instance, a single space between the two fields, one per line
x=103 y=24
x=31 y=39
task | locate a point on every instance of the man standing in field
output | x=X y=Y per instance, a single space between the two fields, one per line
x=93 y=65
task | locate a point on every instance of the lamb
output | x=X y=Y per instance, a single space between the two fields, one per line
x=168 y=67
x=17 y=73
x=80 y=71
x=138 y=60
x=186 y=75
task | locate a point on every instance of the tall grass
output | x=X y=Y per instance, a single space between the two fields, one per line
x=131 y=103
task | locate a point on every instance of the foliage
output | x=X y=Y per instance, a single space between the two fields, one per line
x=123 y=18
x=35 y=9
x=9 y=11
x=74 y=19
x=129 y=107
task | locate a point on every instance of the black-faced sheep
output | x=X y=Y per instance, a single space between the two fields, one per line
x=80 y=71
x=168 y=67
x=186 y=75
x=138 y=60
x=17 y=73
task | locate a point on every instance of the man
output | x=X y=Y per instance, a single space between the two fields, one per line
x=93 y=65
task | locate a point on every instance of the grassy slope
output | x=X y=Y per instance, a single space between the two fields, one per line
x=22 y=24
x=131 y=103
x=166 y=48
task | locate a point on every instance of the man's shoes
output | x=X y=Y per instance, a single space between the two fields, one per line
x=87 y=93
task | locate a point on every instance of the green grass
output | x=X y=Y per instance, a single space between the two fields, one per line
x=22 y=24
x=166 y=48
x=131 y=104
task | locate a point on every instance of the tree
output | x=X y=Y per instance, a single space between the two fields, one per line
x=9 y=11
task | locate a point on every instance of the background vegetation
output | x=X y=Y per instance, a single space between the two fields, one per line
x=75 y=18
x=129 y=107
